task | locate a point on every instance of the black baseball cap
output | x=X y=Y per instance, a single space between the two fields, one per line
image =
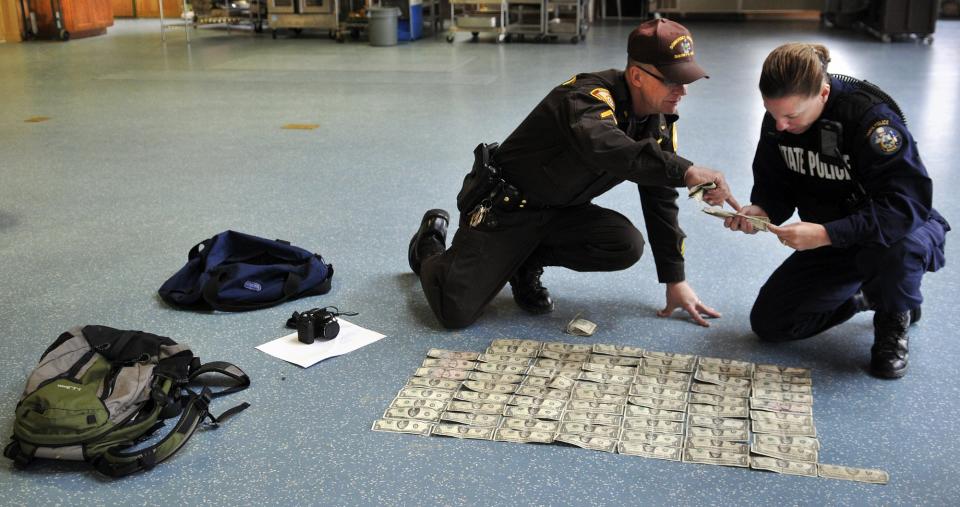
x=668 y=46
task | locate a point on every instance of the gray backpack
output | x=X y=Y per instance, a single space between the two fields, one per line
x=98 y=392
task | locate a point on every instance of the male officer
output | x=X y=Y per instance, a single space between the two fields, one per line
x=533 y=206
x=837 y=150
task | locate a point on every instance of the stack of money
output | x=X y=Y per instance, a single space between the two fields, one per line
x=622 y=399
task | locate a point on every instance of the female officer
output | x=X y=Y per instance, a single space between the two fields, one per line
x=837 y=150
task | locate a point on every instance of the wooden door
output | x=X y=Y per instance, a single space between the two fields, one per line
x=151 y=8
x=123 y=8
x=9 y=21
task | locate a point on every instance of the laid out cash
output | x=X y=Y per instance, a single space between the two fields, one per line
x=620 y=399
x=580 y=327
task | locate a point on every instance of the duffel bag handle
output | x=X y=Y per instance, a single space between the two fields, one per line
x=291 y=287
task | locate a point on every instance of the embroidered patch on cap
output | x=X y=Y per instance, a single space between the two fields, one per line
x=603 y=95
x=886 y=140
x=682 y=47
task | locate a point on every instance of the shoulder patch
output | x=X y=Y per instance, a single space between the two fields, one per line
x=603 y=95
x=609 y=114
x=885 y=140
x=569 y=81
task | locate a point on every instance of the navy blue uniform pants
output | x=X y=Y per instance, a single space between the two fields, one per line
x=812 y=290
x=460 y=282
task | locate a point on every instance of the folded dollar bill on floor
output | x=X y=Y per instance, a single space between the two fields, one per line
x=580 y=327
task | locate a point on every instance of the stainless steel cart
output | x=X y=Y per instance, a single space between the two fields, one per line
x=566 y=18
x=300 y=15
x=476 y=17
x=525 y=17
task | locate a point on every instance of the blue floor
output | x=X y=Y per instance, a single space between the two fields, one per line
x=151 y=148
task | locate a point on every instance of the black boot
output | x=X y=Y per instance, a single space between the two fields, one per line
x=430 y=239
x=861 y=304
x=888 y=357
x=527 y=291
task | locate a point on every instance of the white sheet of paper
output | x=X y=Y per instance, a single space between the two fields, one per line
x=350 y=338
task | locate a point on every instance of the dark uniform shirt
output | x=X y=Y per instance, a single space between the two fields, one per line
x=582 y=139
x=795 y=172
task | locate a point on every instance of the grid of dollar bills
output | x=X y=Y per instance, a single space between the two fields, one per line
x=622 y=399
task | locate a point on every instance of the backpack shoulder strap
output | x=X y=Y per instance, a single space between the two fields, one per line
x=116 y=463
x=865 y=95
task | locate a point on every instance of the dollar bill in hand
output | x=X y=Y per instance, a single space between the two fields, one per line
x=758 y=223
x=411 y=426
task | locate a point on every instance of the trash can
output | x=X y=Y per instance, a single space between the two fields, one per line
x=383 y=26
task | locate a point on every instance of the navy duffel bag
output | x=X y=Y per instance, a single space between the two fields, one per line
x=235 y=272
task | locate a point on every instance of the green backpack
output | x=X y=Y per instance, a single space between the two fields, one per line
x=98 y=392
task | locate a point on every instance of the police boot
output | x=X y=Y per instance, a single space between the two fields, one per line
x=527 y=291
x=888 y=357
x=430 y=239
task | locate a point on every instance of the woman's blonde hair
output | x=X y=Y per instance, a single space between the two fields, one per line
x=794 y=69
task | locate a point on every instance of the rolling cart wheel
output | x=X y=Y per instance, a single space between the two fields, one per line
x=501 y=38
x=927 y=39
x=450 y=38
x=64 y=35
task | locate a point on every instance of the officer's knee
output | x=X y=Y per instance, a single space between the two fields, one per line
x=768 y=329
x=630 y=253
x=454 y=320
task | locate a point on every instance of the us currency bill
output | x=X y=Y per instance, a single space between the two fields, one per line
x=592 y=418
x=870 y=475
x=718 y=410
x=579 y=326
x=461 y=431
x=565 y=356
x=536 y=381
x=421 y=413
x=670 y=364
x=657 y=371
x=780 y=406
x=617 y=350
x=729 y=370
x=782 y=387
x=778 y=395
x=782 y=466
x=616 y=389
x=561 y=382
x=482 y=397
x=759 y=223
x=715 y=457
x=728 y=390
x=444 y=373
x=805 y=442
x=455 y=364
x=595 y=406
x=721 y=379
x=658 y=392
x=647 y=401
x=503 y=358
x=516 y=342
x=597 y=430
x=696 y=193
x=639 y=448
x=741 y=435
x=658 y=439
x=783 y=379
x=532 y=412
x=434 y=383
x=475 y=407
x=588 y=442
x=716 y=444
x=717 y=361
x=720 y=423
x=653 y=413
x=668 y=382
x=430 y=394
x=565 y=348
x=605 y=378
x=495 y=378
x=784 y=370
x=418 y=403
x=781 y=417
x=599 y=397
x=716 y=399
x=544 y=392
x=480 y=420
x=490 y=387
x=523 y=436
x=524 y=424
x=614 y=360
x=411 y=426
x=513 y=350
x=452 y=354
x=530 y=401
x=645 y=425
x=609 y=368
x=787 y=452
x=783 y=429
x=502 y=368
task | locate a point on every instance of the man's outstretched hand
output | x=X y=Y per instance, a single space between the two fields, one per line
x=680 y=295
